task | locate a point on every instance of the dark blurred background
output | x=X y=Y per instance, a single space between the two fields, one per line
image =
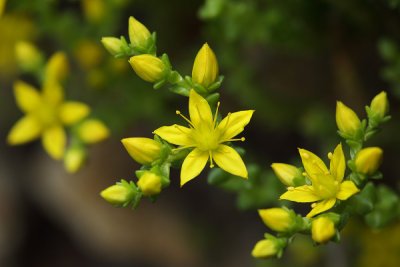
x=289 y=60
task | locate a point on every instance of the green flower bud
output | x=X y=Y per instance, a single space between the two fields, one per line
x=150 y=184
x=141 y=149
x=286 y=173
x=276 y=219
x=380 y=105
x=264 y=249
x=148 y=67
x=205 y=67
x=346 y=119
x=138 y=33
x=368 y=160
x=322 y=229
x=112 y=44
x=118 y=194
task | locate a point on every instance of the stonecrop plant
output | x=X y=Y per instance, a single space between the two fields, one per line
x=337 y=193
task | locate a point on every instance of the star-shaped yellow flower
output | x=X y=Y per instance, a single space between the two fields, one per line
x=45 y=114
x=327 y=186
x=206 y=136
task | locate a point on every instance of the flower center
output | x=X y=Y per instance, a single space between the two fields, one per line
x=326 y=186
x=46 y=114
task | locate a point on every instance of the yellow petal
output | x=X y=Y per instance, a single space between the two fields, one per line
x=302 y=193
x=27 y=97
x=93 y=131
x=199 y=110
x=175 y=134
x=54 y=140
x=71 y=112
x=321 y=207
x=338 y=163
x=234 y=123
x=193 y=164
x=53 y=93
x=57 y=67
x=312 y=164
x=347 y=189
x=230 y=161
x=24 y=130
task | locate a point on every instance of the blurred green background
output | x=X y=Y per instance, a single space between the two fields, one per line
x=290 y=60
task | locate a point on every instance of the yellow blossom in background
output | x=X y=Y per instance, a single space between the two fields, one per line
x=94 y=10
x=142 y=150
x=327 y=186
x=28 y=56
x=322 y=229
x=89 y=54
x=368 y=160
x=45 y=114
x=148 y=67
x=92 y=131
x=2 y=6
x=57 y=67
x=138 y=33
x=207 y=136
x=74 y=159
x=149 y=183
x=346 y=119
x=205 y=67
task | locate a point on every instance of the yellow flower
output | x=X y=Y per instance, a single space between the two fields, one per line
x=148 y=67
x=322 y=229
x=205 y=67
x=112 y=44
x=327 y=186
x=74 y=159
x=141 y=149
x=380 y=105
x=368 y=160
x=206 y=136
x=45 y=114
x=28 y=56
x=118 y=194
x=346 y=119
x=150 y=184
x=57 y=67
x=286 y=173
x=138 y=33
x=265 y=249
x=276 y=219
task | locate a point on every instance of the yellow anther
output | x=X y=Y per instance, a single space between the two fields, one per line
x=313 y=205
x=242 y=139
x=290 y=188
x=304 y=174
x=330 y=155
x=336 y=183
x=305 y=155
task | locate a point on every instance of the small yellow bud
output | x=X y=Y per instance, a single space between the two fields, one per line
x=149 y=183
x=276 y=219
x=28 y=56
x=322 y=229
x=205 y=67
x=74 y=159
x=118 y=194
x=368 y=160
x=286 y=173
x=346 y=119
x=93 y=131
x=138 y=33
x=380 y=105
x=141 y=149
x=265 y=249
x=148 y=67
x=112 y=44
x=57 y=67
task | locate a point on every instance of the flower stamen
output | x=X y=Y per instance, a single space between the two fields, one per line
x=186 y=119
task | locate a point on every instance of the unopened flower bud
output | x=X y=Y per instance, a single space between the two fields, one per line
x=264 y=249
x=150 y=184
x=138 y=33
x=380 y=105
x=28 y=57
x=148 y=67
x=141 y=149
x=286 y=173
x=74 y=159
x=322 y=229
x=118 y=194
x=112 y=44
x=276 y=219
x=346 y=119
x=93 y=131
x=57 y=67
x=368 y=160
x=205 y=67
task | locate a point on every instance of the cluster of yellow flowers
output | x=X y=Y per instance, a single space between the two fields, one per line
x=47 y=112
